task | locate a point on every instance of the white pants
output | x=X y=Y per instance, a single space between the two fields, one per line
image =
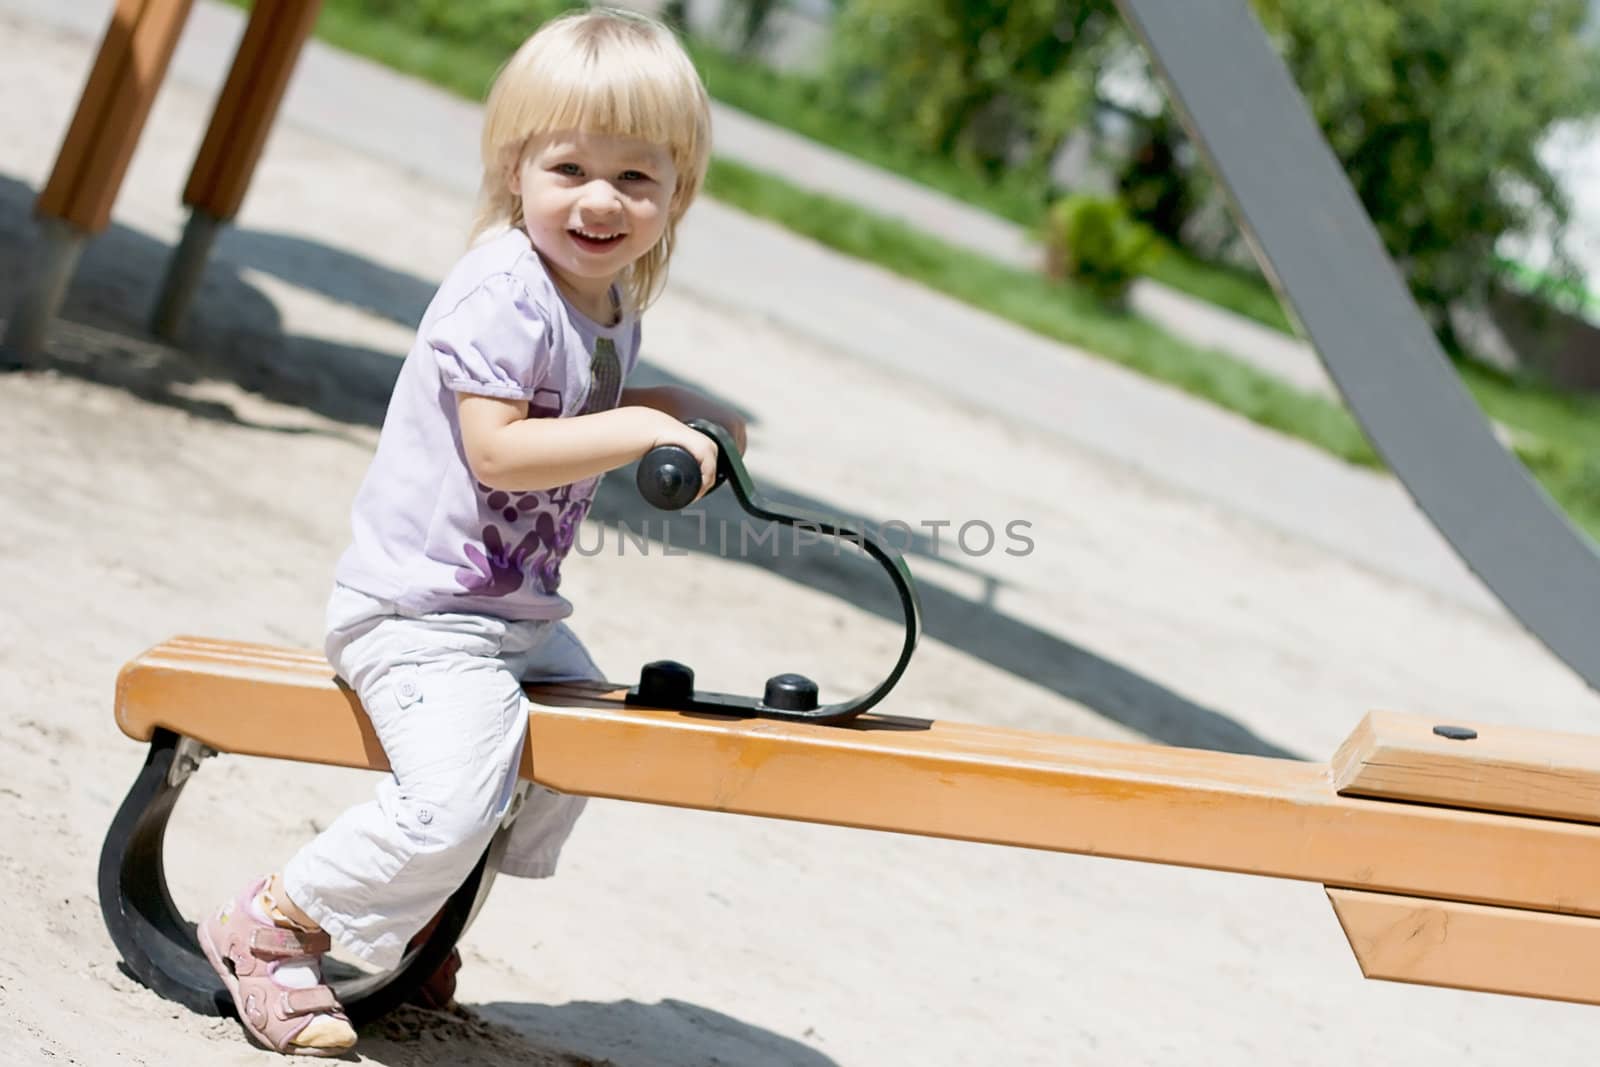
x=444 y=694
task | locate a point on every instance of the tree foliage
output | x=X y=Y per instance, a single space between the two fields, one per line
x=995 y=83
x=1436 y=108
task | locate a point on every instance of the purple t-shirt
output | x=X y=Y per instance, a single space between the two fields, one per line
x=427 y=535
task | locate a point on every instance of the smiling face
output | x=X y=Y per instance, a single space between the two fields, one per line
x=592 y=204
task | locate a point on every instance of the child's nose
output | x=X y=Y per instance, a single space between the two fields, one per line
x=600 y=197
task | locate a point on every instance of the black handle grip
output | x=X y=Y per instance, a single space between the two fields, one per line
x=669 y=477
x=787 y=696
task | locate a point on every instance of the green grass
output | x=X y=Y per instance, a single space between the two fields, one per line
x=463 y=68
x=1557 y=435
x=1243 y=292
x=802 y=104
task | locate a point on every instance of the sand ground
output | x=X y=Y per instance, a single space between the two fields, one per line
x=154 y=490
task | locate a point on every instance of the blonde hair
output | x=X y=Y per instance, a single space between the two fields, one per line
x=603 y=71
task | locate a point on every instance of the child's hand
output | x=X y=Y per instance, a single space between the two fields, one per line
x=703 y=407
x=698 y=445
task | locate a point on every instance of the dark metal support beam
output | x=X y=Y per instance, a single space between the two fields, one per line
x=1317 y=244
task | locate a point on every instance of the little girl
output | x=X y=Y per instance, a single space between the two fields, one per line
x=508 y=409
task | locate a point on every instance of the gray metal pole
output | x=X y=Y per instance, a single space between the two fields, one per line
x=45 y=288
x=1315 y=239
x=184 y=271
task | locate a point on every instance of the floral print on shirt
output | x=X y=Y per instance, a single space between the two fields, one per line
x=543 y=524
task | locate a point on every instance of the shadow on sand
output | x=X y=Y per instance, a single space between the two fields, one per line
x=248 y=346
x=670 y=1033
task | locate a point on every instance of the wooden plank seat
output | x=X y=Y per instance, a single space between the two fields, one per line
x=1276 y=817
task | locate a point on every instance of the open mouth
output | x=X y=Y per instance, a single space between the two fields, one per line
x=594 y=242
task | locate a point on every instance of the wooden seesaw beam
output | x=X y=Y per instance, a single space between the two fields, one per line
x=1427 y=891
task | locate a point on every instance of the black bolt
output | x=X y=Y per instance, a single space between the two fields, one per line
x=665 y=683
x=790 y=692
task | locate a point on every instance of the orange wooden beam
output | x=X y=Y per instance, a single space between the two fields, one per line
x=1275 y=817
x=116 y=100
x=1471 y=946
x=248 y=104
x=1500 y=768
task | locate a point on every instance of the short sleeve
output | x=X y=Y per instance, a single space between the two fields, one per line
x=495 y=342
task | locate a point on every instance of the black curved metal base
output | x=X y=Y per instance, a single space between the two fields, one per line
x=159 y=945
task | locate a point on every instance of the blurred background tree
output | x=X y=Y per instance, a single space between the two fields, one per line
x=996 y=84
x=753 y=18
x=1436 y=108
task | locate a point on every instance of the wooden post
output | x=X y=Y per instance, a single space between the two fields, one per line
x=243 y=118
x=127 y=73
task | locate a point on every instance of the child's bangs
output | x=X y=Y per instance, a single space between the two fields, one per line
x=636 y=98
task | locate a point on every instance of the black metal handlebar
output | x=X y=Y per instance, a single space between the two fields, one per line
x=669 y=477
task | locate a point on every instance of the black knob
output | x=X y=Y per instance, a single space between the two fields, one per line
x=666 y=683
x=669 y=477
x=790 y=692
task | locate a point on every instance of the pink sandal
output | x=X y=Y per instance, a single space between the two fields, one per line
x=246 y=953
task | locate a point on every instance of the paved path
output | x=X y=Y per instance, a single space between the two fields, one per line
x=878 y=317
x=822 y=169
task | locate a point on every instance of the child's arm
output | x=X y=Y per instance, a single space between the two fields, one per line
x=686 y=404
x=507 y=450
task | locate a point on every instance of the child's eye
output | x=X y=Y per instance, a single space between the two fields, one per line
x=571 y=170
x=635 y=176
